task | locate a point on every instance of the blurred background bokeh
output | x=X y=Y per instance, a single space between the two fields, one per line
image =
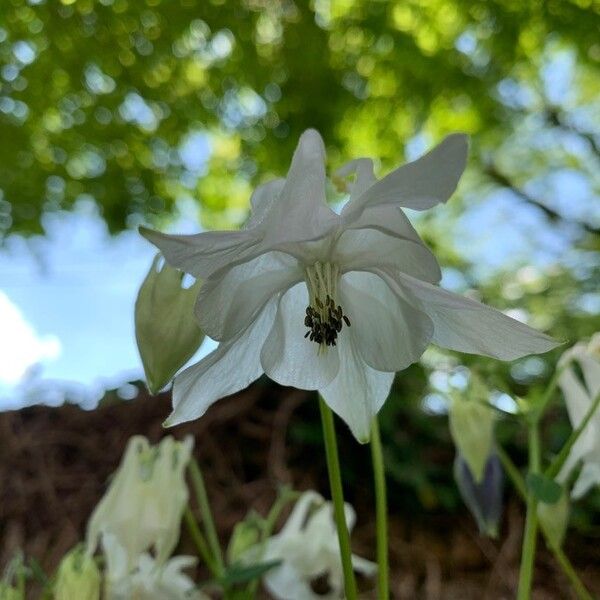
x=116 y=113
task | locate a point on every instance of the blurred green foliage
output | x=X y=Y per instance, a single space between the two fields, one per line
x=99 y=96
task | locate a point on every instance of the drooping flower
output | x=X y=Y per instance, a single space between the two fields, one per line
x=147 y=579
x=332 y=302
x=482 y=497
x=308 y=549
x=145 y=501
x=579 y=396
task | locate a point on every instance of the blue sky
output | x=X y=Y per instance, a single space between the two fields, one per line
x=66 y=304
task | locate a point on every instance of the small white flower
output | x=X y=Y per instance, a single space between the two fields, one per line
x=146 y=498
x=308 y=549
x=579 y=397
x=147 y=579
x=328 y=302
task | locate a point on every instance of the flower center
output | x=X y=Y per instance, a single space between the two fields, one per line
x=324 y=316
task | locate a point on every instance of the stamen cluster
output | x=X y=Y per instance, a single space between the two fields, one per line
x=325 y=323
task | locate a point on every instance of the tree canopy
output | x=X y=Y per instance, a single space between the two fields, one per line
x=120 y=100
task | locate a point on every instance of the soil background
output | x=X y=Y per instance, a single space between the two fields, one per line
x=55 y=463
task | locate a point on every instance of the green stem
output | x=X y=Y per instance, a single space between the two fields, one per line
x=381 y=512
x=285 y=497
x=198 y=539
x=207 y=518
x=531 y=520
x=337 y=495
x=560 y=460
x=569 y=571
x=561 y=557
x=549 y=392
x=513 y=472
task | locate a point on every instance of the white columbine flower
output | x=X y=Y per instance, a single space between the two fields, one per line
x=579 y=397
x=143 y=505
x=328 y=302
x=308 y=549
x=147 y=579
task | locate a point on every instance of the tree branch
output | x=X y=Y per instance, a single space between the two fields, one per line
x=503 y=180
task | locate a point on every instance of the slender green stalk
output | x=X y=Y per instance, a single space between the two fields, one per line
x=565 y=564
x=569 y=571
x=513 y=472
x=549 y=392
x=560 y=460
x=531 y=520
x=383 y=588
x=207 y=518
x=198 y=539
x=337 y=495
x=284 y=498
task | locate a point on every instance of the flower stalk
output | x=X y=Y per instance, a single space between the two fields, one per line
x=561 y=558
x=337 y=495
x=199 y=540
x=383 y=591
x=531 y=519
x=207 y=518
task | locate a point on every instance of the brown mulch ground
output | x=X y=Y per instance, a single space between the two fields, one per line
x=54 y=464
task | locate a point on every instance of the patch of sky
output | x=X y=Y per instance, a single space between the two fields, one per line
x=67 y=304
x=24 y=52
x=503 y=231
x=135 y=109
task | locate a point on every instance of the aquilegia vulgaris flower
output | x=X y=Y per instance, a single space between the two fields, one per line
x=332 y=302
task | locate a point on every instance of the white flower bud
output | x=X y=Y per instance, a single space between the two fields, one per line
x=78 y=577
x=471 y=421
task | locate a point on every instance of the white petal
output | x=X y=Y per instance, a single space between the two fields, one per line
x=390 y=334
x=468 y=326
x=388 y=219
x=421 y=184
x=287 y=356
x=204 y=253
x=301 y=212
x=358 y=391
x=262 y=200
x=576 y=396
x=359 y=249
x=363 y=169
x=229 y=301
x=231 y=367
x=590 y=367
x=589 y=476
x=363 y=566
x=284 y=582
x=299 y=515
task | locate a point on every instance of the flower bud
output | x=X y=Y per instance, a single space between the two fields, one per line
x=554 y=519
x=78 y=577
x=483 y=498
x=165 y=328
x=246 y=534
x=144 y=503
x=471 y=422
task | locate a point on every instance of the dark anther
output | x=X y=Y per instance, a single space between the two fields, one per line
x=325 y=322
